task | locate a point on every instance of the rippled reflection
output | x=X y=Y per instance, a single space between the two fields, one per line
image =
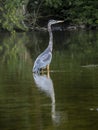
x=45 y=84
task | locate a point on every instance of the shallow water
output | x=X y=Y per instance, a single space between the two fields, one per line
x=66 y=98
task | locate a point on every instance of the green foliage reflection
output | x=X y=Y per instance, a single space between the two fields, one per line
x=14 y=54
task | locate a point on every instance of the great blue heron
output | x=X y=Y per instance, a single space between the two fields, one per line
x=44 y=59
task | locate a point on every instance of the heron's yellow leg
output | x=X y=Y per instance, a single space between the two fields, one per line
x=48 y=71
x=47 y=67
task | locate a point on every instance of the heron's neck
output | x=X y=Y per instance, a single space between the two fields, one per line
x=50 y=38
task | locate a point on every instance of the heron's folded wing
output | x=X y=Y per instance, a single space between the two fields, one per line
x=47 y=57
x=44 y=60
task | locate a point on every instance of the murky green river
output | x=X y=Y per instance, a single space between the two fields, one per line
x=66 y=99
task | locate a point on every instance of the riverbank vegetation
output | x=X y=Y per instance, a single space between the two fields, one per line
x=28 y=14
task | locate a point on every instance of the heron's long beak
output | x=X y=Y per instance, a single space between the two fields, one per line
x=60 y=21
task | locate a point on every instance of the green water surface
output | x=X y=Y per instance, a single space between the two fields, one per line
x=66 y=99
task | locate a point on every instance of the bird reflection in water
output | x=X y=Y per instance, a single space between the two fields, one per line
x=45 y=84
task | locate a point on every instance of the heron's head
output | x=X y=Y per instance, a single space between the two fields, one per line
x=51 y=22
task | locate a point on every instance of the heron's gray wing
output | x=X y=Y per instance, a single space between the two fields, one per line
x=45 y=59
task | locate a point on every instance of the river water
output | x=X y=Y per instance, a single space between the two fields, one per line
x=64 y=99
